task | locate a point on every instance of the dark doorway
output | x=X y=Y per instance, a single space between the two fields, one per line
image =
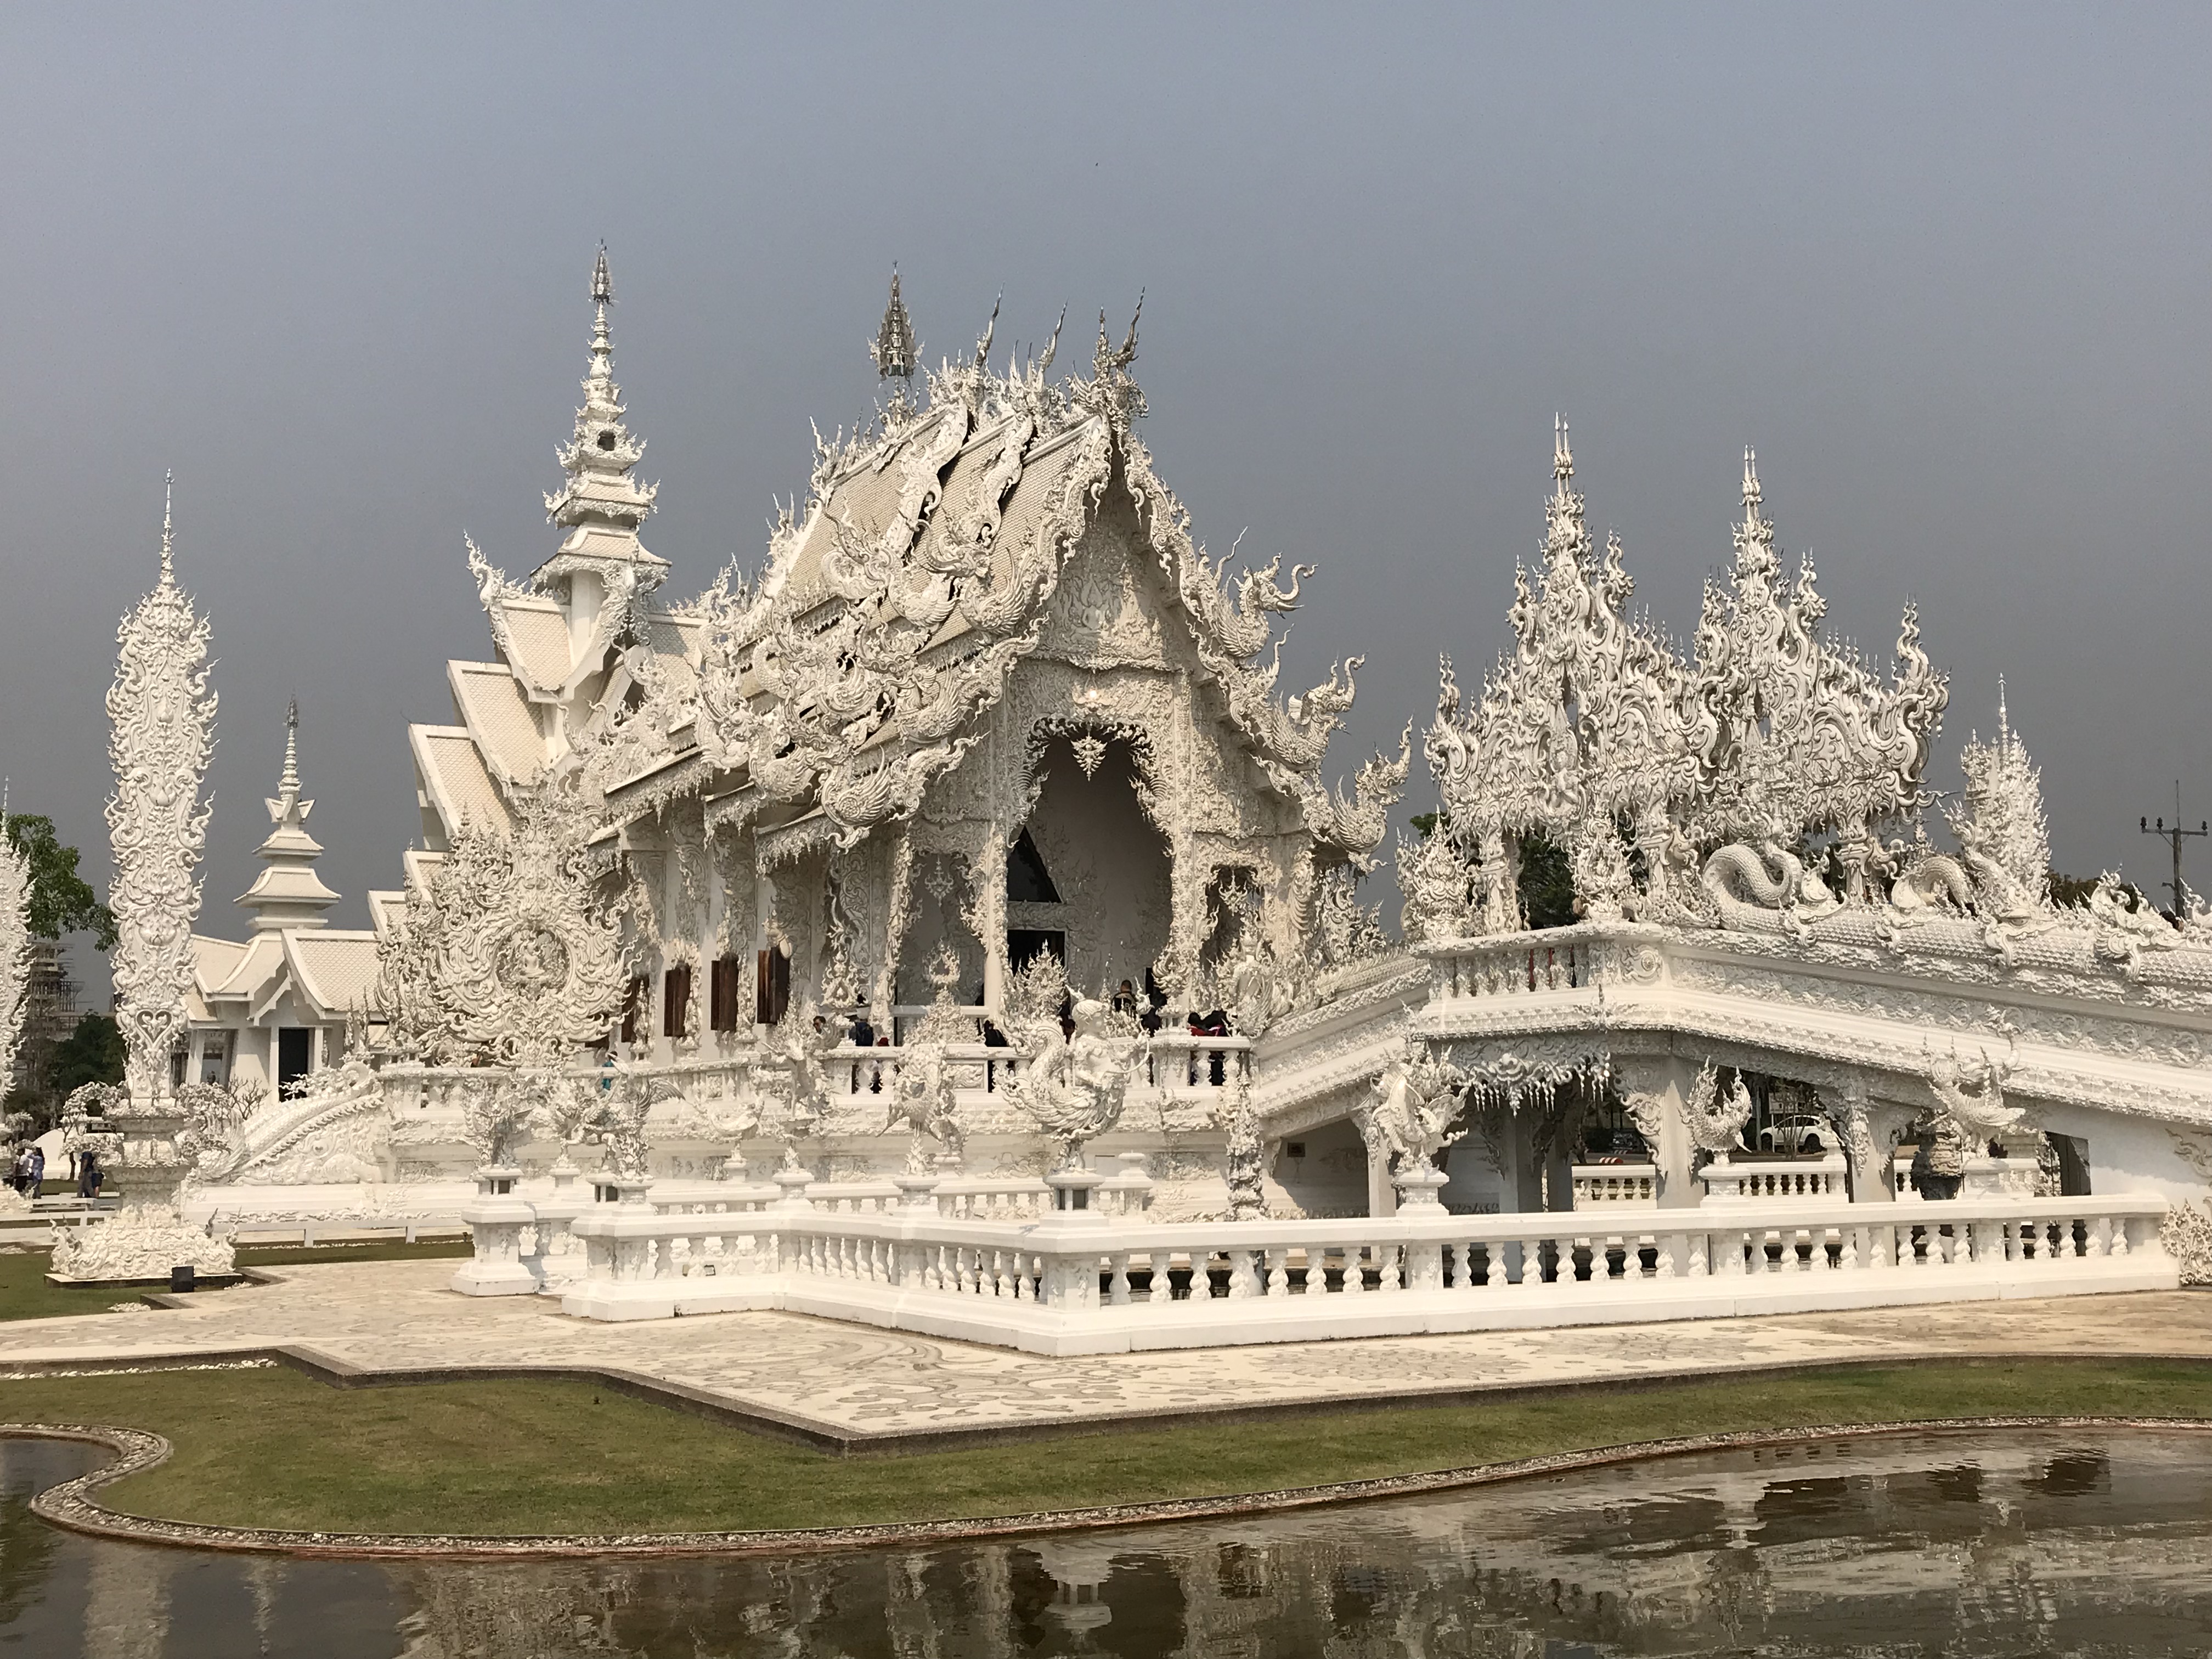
x=1028 y=882
x=295 y=1051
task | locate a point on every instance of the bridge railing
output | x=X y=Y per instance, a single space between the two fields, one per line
x=1087 y=1281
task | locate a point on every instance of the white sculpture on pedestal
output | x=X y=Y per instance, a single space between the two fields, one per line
x=1410 y=1116
x=163 y=721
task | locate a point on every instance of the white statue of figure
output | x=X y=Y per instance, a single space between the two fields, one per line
x=1716 y=1122
x=1074 y=1091
x=922 y=1102
x=1411 y=1109
x=1972 y=1097
x=793 y=1071
x=1244 y=1159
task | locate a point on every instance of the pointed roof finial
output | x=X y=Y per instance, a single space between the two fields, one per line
x=168 y=532
x=991 y=330
x=894 y=350
x=288 y=784
x=603 y=282
x=1562 y=451
x=1751 y=495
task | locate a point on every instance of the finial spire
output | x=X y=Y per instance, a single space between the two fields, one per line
x=1751 y=495
x=893 y=350
x=168 y=532
x=1563 y=453
x=288 y=784
x=600 y=493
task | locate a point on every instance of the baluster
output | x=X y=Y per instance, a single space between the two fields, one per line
x=1279 y=1270
x=2124 y=1235
x=2101 y=1236
x=1117 y=1285
x=2060 y=1234
x=1700 y=1262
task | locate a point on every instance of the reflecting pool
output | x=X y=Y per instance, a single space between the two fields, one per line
x=2068 y=1542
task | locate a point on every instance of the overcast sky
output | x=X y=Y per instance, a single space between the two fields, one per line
x=1946 y=267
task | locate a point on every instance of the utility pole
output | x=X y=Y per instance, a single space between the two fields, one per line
x=2173 y=837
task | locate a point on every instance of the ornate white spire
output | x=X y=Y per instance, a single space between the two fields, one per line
x=895 y=348
x=287 y=893
x=169 y=534
x=15 y=939
x=602 y=504
x=162 y=717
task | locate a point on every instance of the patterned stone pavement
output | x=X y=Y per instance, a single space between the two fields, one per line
x=853 y=1383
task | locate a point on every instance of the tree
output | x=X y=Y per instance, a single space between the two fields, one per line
x=93 y=1053
x=62 y=901
x=1547 y=884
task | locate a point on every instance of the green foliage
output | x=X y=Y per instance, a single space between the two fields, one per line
x=62 y=901
x=93 y=1053
x=1547 y=885
x=1427 y=824
x=2067 y=891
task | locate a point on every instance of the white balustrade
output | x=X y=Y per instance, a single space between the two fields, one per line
x=1517 y=965
x=1776 y=1180
x=1093 y=1281
x=1615 y=1184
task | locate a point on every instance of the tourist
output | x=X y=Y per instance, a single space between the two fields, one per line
x=38 y=1170
x=1125 y=998
x=863 y=1034
x=88 y=1174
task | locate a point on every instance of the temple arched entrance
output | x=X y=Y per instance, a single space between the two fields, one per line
x=1090 y=871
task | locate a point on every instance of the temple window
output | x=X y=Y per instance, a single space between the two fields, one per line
x=771 y=986
x=722 y=994
x=676 y=1001
x=631 y=1004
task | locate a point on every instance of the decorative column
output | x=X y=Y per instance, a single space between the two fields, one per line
x=162 y=717
x=1871 y=1129
x=1654 y=1087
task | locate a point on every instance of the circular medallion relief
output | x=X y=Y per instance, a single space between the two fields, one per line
x=533 y=962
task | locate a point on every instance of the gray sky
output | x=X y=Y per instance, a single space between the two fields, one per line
x=1946 y=267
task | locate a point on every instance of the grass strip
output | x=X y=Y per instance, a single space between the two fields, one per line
x=25 y=1294
x=272 y=1448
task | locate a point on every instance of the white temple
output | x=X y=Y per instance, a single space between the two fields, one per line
x=969 y=869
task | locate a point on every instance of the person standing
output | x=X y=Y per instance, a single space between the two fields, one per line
x=38 y=1170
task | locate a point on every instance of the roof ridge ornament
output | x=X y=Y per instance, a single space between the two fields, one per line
x=896 y=351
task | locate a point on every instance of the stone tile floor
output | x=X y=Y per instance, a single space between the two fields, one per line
x=855 y=1382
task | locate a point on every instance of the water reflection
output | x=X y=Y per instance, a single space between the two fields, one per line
x=2038 y=1543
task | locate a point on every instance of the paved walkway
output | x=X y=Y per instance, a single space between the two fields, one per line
x=854 y=1384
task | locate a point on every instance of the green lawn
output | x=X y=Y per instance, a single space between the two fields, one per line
x=273 y=1448
x=25 y=1294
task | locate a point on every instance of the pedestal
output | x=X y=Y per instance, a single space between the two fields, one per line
x=793 y=1182
x=559 y=1261
x=917 y=1194
x=495 y=1220
x=1418 y=1189
x=1071 y=1193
